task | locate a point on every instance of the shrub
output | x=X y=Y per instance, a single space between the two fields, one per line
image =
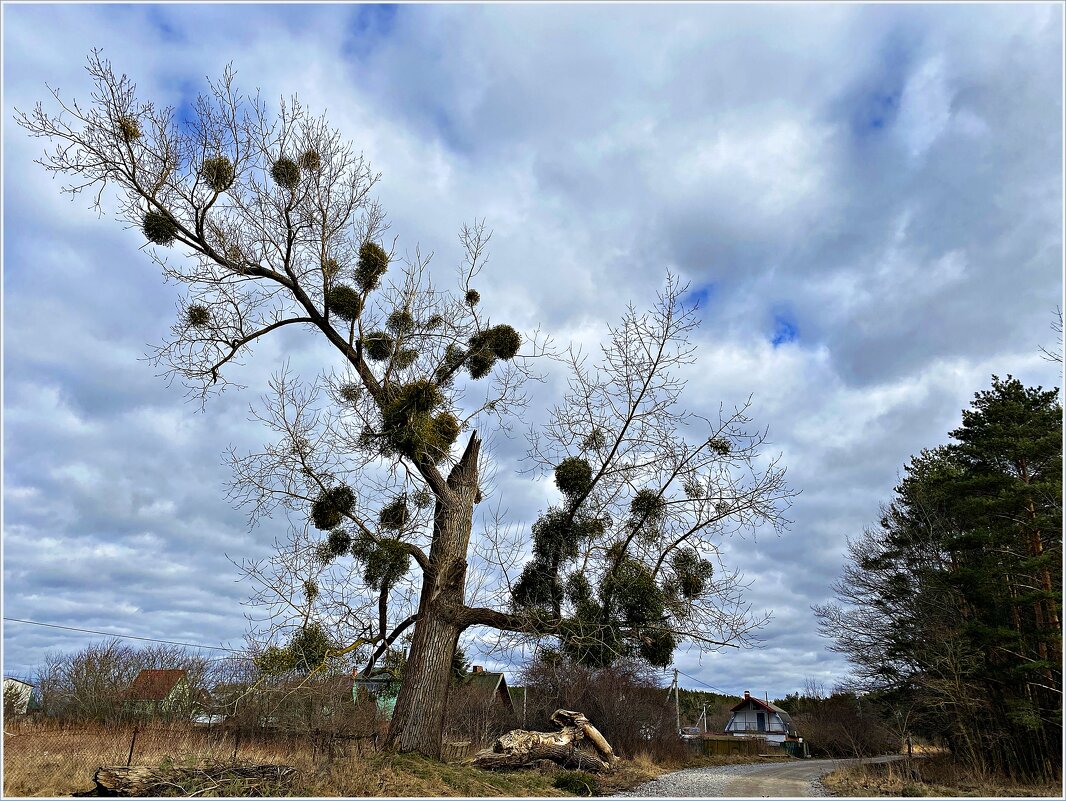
x=331 y=506
x=573 y=477
x=405 y=358
x=330 y=267
x=394 y=515
x=350 y=393
x=720 y=445
x=378 y=345
x=647 y=506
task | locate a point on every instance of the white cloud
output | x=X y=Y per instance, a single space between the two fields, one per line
x=604 y=145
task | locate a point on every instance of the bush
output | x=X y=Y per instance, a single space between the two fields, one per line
x=198 y=316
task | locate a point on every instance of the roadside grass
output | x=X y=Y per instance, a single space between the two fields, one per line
x=935 y=775
x=48 y=760
x=52 y=760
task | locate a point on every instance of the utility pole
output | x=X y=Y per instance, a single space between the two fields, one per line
x=704 y=716
x=677 y=702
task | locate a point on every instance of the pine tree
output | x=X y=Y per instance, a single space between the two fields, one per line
x=956 y=597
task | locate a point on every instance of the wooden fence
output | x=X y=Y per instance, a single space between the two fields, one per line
x=723 y=746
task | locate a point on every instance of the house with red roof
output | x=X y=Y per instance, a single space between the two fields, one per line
x=754 y=717
x=160 y=693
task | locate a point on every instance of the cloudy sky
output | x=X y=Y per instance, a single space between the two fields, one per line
x=866 y=200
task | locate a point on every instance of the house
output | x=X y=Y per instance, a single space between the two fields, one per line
x=489 y=688
x=378 y=685
x=755 y=718
x=160 y=692
x=19 y=696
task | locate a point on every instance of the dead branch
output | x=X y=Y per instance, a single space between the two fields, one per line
x=520 y=748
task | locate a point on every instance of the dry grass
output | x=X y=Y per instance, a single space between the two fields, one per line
x=50 y=761
x=45 y=761
x=935 y=775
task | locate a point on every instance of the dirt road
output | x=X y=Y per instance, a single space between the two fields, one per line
x=769 y=780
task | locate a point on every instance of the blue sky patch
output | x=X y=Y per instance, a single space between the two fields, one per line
x=158 y=17
x=874 y=103
x=368 y=26
x=700 y=295
x=785 y=330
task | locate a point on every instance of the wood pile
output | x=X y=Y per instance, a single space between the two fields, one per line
x=218 y=779
x=567 y=747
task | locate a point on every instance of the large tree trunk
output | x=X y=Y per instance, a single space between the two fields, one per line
x=418 y=720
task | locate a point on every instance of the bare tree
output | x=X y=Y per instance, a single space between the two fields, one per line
x=1055 y=353
x=272 y=213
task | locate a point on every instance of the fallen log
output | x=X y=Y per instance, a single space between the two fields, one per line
x=141 y=780
x=521 y=748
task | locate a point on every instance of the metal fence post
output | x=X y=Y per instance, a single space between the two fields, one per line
x=133 y=741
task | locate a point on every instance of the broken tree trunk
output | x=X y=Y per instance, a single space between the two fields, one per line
x=140 y=780
x=520 y=748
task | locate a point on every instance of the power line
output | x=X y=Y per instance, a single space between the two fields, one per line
x=705 y=684
x=123 y=636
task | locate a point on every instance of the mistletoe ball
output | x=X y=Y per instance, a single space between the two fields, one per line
x=344 y=302
x=286 y=173
x=198 y=315
x=218 y=173
x=159 y=228
x=129 y=129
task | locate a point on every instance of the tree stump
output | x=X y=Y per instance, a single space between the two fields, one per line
x=520 y=748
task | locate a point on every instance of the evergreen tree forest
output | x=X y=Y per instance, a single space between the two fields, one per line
x=952 y=604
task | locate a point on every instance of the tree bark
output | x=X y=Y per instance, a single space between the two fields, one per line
x=418 y=719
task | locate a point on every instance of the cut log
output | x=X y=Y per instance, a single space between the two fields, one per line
x=520 y=748
x=141 y=780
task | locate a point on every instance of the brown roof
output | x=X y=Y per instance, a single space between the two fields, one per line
x=490 y=684
x=154 y=685
x=758 y=704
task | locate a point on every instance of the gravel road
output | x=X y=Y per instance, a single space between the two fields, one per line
x=769 y=780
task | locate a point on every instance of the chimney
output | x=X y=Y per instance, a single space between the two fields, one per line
x=479 y=669
x=747 y=695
